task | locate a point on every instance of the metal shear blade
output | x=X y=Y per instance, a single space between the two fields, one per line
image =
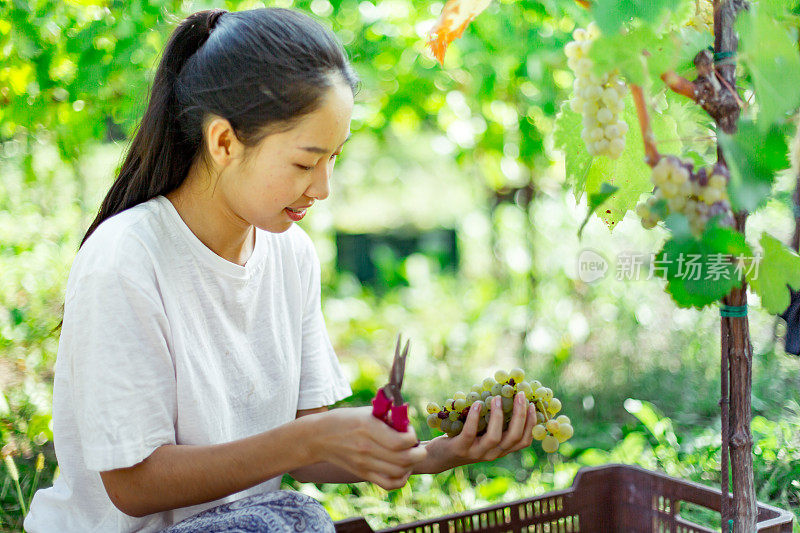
x=398 y=372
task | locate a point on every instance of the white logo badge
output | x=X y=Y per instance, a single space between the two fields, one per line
x=591 y=266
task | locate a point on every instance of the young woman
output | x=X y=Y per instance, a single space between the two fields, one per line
x=194 y=368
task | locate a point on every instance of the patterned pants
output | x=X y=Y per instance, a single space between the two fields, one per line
x=281 y=511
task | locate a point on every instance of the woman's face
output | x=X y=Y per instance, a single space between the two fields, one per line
x=289 y=171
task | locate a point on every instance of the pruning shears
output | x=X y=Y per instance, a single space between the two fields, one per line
x=388 y=404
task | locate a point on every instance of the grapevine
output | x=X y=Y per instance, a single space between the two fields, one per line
x=598 y=98
x=550 y=429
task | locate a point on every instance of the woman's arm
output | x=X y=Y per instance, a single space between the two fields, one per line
x=351 y=439
x=176 y=476
x=321 y=472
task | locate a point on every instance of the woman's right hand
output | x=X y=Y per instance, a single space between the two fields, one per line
x=353 y=439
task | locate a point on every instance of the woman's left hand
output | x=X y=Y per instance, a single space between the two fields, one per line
x=467 y=447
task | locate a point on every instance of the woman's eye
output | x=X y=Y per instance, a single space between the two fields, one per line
x=306 y=169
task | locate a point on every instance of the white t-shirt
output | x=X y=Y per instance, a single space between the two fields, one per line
x=165 y=342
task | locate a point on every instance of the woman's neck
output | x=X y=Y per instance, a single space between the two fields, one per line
x=211 y=219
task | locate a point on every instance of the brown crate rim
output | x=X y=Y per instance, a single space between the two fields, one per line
x=609 y=498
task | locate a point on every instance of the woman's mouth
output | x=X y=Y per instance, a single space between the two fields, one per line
x=295 y=214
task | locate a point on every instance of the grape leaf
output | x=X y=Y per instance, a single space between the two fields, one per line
x=567 y=136
x=626 y=53
x=610 y=15
x=770 y=54
x=455 y=17
x=696 y=269
x=596 y=200
x=753 y=158
x=629 y=173
x=778 y=270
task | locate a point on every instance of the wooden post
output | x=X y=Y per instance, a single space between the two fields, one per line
x=736 y=350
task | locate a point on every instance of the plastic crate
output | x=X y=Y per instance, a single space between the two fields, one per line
x=604 y=499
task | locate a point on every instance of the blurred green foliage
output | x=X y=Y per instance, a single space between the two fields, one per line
x=468 y=147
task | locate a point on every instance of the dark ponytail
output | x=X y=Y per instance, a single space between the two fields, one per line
x=257 y=69
x=262 y=70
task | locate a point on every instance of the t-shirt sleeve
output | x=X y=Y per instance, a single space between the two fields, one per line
x=115 y=343
x=322 y=381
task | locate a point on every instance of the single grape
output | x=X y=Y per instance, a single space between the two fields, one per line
x=476 y=389
x=563 y=419
x=604 y=115
x=550 y=444
x=445 y=425
x=677 y=203
x=433 y=421
x=497 y=388
x=539 y=432
x=601 y=146
x=565 y=432
x=459 y=395
x=433 y=407
x=554 y=406
x=616 y=147
x=473 y=397
x=449 y=403
x=517 y=374
x=551 y=425
x=459 y=404
x=669 y=189
x=548 y=394
x=453 y=416
x=508 y=404
x=507 y=391
x=486 y=394
x=501 y=376
x=541 y=392
x=456 y=427
x=572 y=49
x=482 y=423
x=488 y=383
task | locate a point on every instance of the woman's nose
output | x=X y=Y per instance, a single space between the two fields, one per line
x=320 y=187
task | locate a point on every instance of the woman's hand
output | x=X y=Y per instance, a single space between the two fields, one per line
x=466 y=448
x=356 y=441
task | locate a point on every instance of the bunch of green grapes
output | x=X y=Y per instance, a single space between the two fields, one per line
x=549 y=429
x=703 y=16
x=699 y=195
x=598 y=98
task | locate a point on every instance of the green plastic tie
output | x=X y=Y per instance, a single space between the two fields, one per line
x=721 y=56
x=733 y=311
x=730 y=526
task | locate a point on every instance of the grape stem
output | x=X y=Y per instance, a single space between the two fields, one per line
x=651 y=152
x=544 y=410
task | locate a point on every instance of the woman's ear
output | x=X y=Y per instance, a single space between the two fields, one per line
x=223 y=146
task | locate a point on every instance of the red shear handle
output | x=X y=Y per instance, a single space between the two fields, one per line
x=382 y=406
x=400 y=417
